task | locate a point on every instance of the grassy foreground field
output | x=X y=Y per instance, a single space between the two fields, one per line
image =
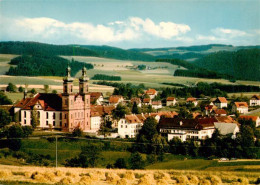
x=61 y=175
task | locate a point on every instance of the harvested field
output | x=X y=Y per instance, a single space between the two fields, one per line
x=62 y=175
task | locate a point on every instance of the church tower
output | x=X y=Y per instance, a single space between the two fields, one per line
x=83 y=91
x=83 y=82
x=67 y=101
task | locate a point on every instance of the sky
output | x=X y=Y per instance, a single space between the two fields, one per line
x=131 y=23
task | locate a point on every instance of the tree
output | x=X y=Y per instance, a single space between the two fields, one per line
x=4 y=100
x=46 y=88
x=87 y=158
x=120 y=111
x=120 y=163
x=54 y=91
x=148 y=130
x=135 y=109
x=11 y=87
x=136 y=161
x=27 y=130
x=15 y=131
x=77 y=132
x=33 y=91
x=35 y=118
x=184 y=114
x=21 y=89
x=5 y=118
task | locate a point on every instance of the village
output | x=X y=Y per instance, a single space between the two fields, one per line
x=117 y=117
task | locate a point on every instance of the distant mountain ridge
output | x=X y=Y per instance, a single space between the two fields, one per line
x=31 y=48
x=190 y=53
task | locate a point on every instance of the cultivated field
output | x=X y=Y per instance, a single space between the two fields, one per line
x=61 y=175
x=4 y=60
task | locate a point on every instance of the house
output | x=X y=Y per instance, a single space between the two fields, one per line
x=208 y=109
x=225 y=119
x=221 y=102
x=129 y=126
x=240 y=107
x=147 y=101
x=187 y=129
x=254 y=100
x=95 y=121
x=141 y=117
x=105 y=112
x=115 y=100
x=192 y=100
x=167 y=114
x=137 y=101
x=171 y=101
x=156 y=104
x=227 y=128
x=96 y=98
x=65 y=111
x=154 y=115
x=219 y=112
x=151 y=93
x=255 y=119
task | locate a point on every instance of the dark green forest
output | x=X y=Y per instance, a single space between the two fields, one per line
x=106 y=77
x=32 y=48
x=243 y=64
x=40 y=65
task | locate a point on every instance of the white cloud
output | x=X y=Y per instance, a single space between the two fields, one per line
x=46 y=29
x=166 y=30
x=230 y=33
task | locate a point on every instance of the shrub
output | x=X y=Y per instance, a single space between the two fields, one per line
x=77 y=132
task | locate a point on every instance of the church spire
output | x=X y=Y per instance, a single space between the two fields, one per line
x=83 y=81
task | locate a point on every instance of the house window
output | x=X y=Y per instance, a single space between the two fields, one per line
x=38 y=114
x=25 y=121
x=24 y=114
x=65 y=116
x=47 y=115
x=121 y=126
x=60 y=116
x=126 y=126
x=47 y=123
x=60 y=123
x=53 y=123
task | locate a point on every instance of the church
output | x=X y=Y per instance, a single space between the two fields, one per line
x=65 y=111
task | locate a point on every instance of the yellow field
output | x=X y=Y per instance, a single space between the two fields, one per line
x=97 y=176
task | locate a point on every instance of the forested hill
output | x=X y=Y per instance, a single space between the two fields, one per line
x=39 y=65
x=243 y=64
x=32 y=48
x=118 y=53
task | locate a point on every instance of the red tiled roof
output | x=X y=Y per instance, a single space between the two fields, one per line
x=49 y=102
x=146 y=100
x=141 y=117
x=167 y=114
x=137 y=100
x=170 y=99
x=221 y=100
x=151 y=92
x=132 y=119
x=156 y=103
x=195 y=124
x=115 y=98
x=95 y=95
x=255 y=97
x=241 y=104
x=94 y=114
x=191 y=99
x=220 y=111
x=102 y=109
x=195 y=114
x=253 y=118
x=225 y=119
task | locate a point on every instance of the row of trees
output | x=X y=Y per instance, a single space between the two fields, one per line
x=106 y=77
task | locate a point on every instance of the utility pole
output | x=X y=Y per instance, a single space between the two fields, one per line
x=56 y=151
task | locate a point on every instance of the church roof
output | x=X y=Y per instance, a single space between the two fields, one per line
x=48 y=102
